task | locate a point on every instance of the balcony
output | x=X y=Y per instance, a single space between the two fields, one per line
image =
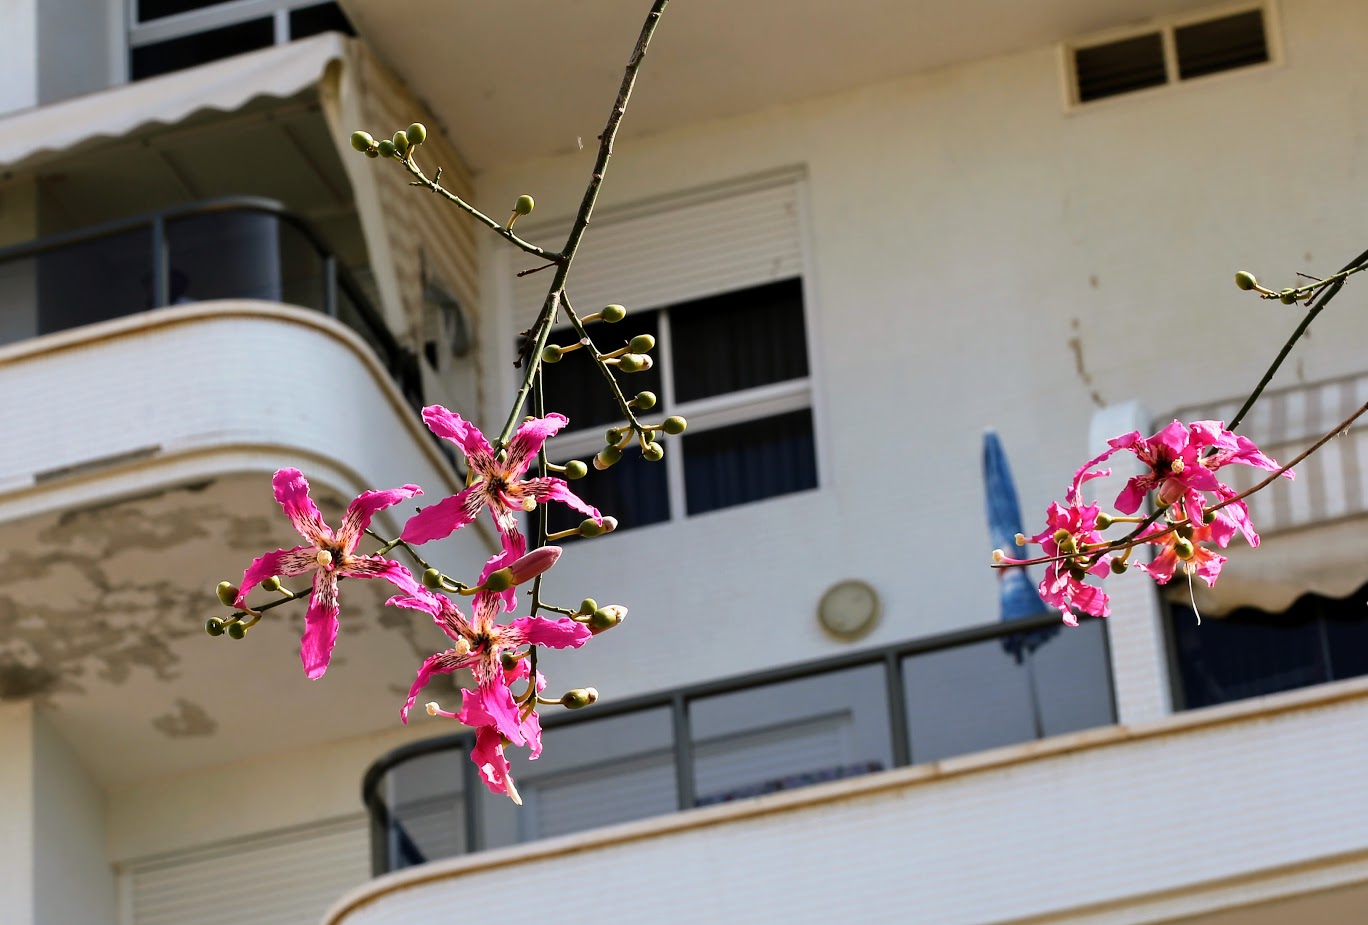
x=732 y=740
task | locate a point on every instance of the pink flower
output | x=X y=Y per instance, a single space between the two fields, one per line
x=1067 y=532
x=1201 y=561
x=499 y=485
x=329 y=556
x=1182 y=460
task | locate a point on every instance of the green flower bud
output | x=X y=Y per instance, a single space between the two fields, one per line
x=501 y=580
x=644 y=401
x=613 y=313
x=271 y=584
x=1078 y=572
x=432 y=579
x=633 y=363
x=1208 y=517
x=580 y=697
x=227 y=593
x=1103 y=520
x=1245 y=280
x=508 y=659
x=1060 y=535
x=591 y=528
x=1184 y=549
x=613 y=436
x=552 y=354
x=674 y=425
x=417 y=133
x=1185 y=531
x=1288 y=296
x=362 y=141
x=605 y=618
x=576 y=469
x=653 y=452
x=588 y=605
x=372 y=152
x=386 y=148
x=1068 y=546
x=401 y=142
x=642 y=343
x=608 y=456
x=524 y=205
x=1118 y=566
x=214 y=626
x=237 y=630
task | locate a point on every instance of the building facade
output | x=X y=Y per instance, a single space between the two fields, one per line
x=1023 y=217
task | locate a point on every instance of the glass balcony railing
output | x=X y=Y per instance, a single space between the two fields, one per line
x=237 y=248
x=742 y=737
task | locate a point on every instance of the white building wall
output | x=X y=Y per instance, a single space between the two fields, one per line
x=18 y=55
x=979 y=256
x=17 y=883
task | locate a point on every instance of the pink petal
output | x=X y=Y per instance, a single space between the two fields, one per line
x=554 y=489
x=531 y=731
x=467 y=436
x=288 y=563
x=509 y=597
x=380 y=567
x=366 y=505
x=441 y=663
x=1133 y=495
x=444 y=518
x=320 y=626
x=488 y=755
x=563 y=633
x=528 y=440
x=292 y=491
x=444 y=613
x=493 y=705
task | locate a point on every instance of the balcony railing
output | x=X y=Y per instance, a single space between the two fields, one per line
x=730 y=739
x=233 y=248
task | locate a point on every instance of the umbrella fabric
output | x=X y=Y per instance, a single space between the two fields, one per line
x=1017 y=594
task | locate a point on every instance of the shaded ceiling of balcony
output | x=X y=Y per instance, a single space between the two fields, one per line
x=518 y=80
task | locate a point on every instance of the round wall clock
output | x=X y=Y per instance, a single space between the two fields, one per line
x=849 y=609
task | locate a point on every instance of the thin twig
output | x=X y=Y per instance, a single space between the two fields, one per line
x=436 y=186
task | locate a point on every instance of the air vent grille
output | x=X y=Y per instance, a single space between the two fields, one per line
x=1120 y=67
x=1221 y=44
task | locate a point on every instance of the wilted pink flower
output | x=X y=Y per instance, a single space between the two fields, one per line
x=1182 y=461
x=1202 y=562
x=329 y=556
x=499 y=484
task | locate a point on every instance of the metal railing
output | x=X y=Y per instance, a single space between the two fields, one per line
x=918 y=701
x=234 y=247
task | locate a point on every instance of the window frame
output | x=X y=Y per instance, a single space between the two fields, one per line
x=1166 y=27
x=703 y=414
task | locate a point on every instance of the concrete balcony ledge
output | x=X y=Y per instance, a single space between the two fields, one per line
x=1120 y=824
x=184 y=393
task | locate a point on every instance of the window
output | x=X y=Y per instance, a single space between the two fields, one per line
x=1168 y=53
x=171 y=35
x=716 y=278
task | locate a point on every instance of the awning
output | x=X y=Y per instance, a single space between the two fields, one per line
x=227 y=85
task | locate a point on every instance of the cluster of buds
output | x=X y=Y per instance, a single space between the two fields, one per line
x=1193 y=511
x=400 y=146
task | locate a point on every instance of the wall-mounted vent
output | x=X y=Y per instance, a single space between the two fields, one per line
x=1167 y=53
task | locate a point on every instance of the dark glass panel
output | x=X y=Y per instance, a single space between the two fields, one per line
x=1346 y=630
x=748 y=462
x=241 y=255
x=582 y=393
x=149 y=10
x=1072 y=673
x=322 y=17
x=634 y=491
x=426 y=808
x=1119 y=67
x=738 y=340
x=200 y=48
x=108 y=277
x=789 y=735
x=1220 y=44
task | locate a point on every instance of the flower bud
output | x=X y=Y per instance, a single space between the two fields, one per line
x=576 y=469
x=674 y=425
x=1077 y=572
x=588 y=605
x=552 y=354
x=372 y=152
x=642 y=343
x=608 y=456
x=1184 y=549
x=613 y=436
x=500 y=580
x=417 y=133
x=386 y=148
x=580 y=697
x=1185 y=531
x=634 y=363
x=1288 y=296
x=524 y=205
x=401 y=142
x=432 y=579
x=610 y=524
x=605 y=618
x=644 y=401
x=1068 y=546
x=653 y=452
x=227 y=593
x=533 y=564
x=1060 y=535
x=613 y=313
x=237 y=630
x=1245 y=280
x=214 y=626
x=271 y=584
x=1118 y=566
x=1103 y=520
x=362 y=141
x=1208 y=517
x=591 y=528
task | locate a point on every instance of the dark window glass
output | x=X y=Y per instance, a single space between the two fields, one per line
x=323 y=17
x=1005 y=692
x=749 y=461
x=789 y=735
x=582 y=394
x=1220 y=44
x=426 y=808
x=241 y=255
x=149 y=10
x=108 y=277
x=738 y=340
x=1346 y=635
x=202 y=47
x=634 y=491
x=1119 y=67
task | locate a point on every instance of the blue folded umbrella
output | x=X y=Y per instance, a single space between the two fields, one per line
x=1017 y=594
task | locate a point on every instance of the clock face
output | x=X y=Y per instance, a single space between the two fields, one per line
x=849 y=609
